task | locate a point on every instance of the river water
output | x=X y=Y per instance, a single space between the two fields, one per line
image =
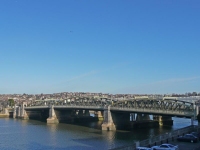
x=17 y=134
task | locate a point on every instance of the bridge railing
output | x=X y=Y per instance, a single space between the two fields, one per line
x=80 y=107
x=153 y=110
x=68 y=103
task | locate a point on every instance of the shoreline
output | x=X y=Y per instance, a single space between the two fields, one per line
x=4 y=116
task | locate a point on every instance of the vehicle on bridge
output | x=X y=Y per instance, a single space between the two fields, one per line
x=165 y=147
x=188 y=138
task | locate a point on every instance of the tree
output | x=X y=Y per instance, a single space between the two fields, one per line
x=194 y=93
x=189 y=94
x=11 y=102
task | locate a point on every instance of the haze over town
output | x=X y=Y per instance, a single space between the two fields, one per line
x=114 y=47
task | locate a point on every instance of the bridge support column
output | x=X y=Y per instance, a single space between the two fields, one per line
x=158 y=118
x=146 y=117
x=87 y=113
x=132 y=115
x=164 y=120
x=23 y=112
x=139 y=117
x=25 y=116
x=18 y=112
x=192 y=120
x=52 y=116
x=73 y=113
x=197 y=111
x=15 y=112
x=80 y=113
x=108 y=121
x=99 y=115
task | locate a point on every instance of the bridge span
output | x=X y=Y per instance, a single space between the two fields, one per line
x=114 y=113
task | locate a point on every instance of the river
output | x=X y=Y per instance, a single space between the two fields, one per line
x=17 y=134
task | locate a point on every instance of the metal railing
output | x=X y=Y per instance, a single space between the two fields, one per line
x=163 y=138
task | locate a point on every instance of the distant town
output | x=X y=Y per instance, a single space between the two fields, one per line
x=66 y=95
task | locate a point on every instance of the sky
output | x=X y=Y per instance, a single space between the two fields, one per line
x=115 y=46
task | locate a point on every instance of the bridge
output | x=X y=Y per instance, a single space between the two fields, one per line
x=113 y=112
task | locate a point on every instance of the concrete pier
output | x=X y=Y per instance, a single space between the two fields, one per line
x=108 y=121
x=52 y=116
x=99 y=115
x=163 y=120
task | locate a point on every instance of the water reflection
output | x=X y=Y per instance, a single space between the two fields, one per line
x=52 y=127
x=31 y=135
x=23 y=122
x=109 y=138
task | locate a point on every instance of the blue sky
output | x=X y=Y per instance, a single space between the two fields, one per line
x=115 y=46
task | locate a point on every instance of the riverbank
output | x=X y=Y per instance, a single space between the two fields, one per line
x=4 y=116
